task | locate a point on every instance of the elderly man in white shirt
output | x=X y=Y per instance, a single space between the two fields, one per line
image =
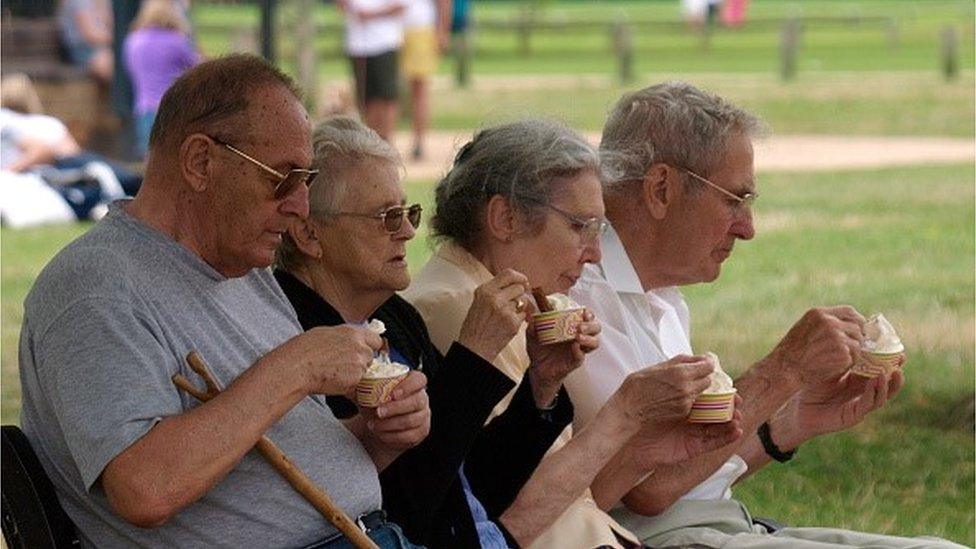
x=678 y=190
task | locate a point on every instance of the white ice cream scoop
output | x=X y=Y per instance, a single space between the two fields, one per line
x=880 y=336
x=720 y=381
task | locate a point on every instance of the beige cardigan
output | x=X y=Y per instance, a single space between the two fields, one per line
x=443 y=292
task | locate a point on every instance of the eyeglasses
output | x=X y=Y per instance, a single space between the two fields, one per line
x=589 y=229
x=286 y=182
x=392 y=217
x=741 y=201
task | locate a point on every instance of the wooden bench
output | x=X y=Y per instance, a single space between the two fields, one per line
x=33 y=46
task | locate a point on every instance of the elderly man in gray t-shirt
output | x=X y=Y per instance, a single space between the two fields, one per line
x=183 y=267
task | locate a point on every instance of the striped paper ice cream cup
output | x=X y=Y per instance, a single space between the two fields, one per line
x=713 y=408
x=373 y=391
x=557 y=326
x=872 y=365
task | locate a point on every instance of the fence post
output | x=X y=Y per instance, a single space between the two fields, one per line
x=462 y=56
x=789 y=44
x=305 y=51
x=524 y=26
x=950 y=53
x=268 y=49
x=892 y=33
x=623 y=45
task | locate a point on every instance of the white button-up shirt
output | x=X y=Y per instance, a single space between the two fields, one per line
x=639 y=329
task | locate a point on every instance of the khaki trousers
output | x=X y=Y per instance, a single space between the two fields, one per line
x=727 y=524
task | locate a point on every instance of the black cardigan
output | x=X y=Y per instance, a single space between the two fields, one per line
x=422 y=489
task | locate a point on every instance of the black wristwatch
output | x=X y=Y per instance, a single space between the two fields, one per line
x=770 y=446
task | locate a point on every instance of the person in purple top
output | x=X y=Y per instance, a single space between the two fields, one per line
x=157 y=51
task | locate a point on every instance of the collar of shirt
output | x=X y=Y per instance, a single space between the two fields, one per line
x=616 y=265
x=661 y=312
x=455 y=254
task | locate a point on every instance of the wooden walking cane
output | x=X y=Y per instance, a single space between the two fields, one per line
x=295 y=476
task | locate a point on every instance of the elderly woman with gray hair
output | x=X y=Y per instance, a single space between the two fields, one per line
x=525 y=197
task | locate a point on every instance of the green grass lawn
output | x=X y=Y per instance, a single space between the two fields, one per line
x=889 y=103
x=898 y=241
x=824 y=47
x=850 y=80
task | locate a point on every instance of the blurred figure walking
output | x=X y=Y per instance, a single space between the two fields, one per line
x=734 y=12
x=426 y=35
x=374 y=34
x=86 y=33
x=156 y=52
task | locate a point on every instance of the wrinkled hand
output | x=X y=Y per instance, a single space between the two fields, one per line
x=550 y=364
x=332 y=359
x=404 y=421
x=822 y=345
x=493 y=320
x=836 y=405
x=664 y=392
x=659 y=444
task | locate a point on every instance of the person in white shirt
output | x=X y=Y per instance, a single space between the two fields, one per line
x=374 y=34
x=678 y=189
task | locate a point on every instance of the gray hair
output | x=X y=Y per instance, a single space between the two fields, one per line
x=521 y=161
x=673 y=122
x=339 y=144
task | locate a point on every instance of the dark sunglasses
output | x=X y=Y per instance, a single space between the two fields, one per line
x=392 y=217
x=285 y=182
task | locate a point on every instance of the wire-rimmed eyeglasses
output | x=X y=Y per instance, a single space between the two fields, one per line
x=392 y=217
x=741 y=201
x=589 y=229
x=286 y=182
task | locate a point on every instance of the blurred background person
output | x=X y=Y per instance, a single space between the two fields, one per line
x=32 y=142
x=426 y=34
x=700 y=14
x=734 y=12
x=86 y=33
x=374 y=34
x=156 y=52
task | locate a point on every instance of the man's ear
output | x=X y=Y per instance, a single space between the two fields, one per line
x=196 y=161
x=658 y=189
x=501 y=222
x=302 y=232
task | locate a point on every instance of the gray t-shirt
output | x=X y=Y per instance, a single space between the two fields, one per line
x=107 y=324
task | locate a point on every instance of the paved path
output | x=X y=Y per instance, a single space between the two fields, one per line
x=777 y=153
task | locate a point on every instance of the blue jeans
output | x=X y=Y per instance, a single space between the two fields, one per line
x=144 y=124
x=385 y=534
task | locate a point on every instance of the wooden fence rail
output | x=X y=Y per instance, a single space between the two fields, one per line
x=622 y=33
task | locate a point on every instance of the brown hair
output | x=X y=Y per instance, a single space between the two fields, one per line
x=208 y=97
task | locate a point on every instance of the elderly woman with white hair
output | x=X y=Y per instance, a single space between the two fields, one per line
x=345 y=263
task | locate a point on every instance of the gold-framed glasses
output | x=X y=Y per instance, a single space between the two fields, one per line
x=741 y=201
x=589 y=229
x=286 y=182
x=392 y=217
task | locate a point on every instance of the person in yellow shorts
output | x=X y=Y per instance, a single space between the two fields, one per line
x=426 y=32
